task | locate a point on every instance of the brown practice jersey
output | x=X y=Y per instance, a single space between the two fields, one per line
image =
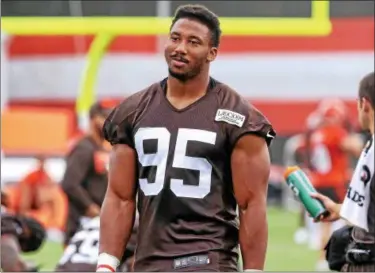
x=187 y=209
x=85 y=180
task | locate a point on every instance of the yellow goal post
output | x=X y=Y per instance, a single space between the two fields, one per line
x=106 y=29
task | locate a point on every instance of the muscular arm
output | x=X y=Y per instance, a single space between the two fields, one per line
x=118 y=210
x=250 y=163
x=25 y=197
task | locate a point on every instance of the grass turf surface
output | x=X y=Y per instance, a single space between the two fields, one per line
x=282 y=255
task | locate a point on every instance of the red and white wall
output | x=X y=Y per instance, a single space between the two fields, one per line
x=283 y=76
x=279 y=74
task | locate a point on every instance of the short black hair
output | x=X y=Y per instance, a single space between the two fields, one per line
x=367 y=88
x=204 y=16
x=101 y=108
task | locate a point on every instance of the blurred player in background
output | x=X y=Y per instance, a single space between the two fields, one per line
x=85 y=178
x=19 y=234
x=295 y=154
x=194 y=149
x=81 y=253
x=41 y=198
x=328 y=150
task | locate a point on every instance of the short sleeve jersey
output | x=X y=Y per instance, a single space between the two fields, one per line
x=185 y=198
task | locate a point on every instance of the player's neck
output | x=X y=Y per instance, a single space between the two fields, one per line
x=194 y=88
x=371 y=123
x=95 y=136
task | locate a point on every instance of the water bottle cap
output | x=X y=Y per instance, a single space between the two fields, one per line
x=289 y=170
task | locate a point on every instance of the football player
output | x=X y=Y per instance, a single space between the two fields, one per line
x=193 y=149
x=85 y=177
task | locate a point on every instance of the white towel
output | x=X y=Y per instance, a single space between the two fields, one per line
x=357 y=200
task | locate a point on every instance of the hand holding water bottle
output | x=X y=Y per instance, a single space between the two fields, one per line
x=332 y=208
x=300 y=184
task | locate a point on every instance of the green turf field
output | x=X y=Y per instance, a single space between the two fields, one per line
x=283 y=254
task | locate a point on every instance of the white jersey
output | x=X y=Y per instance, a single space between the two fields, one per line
x=83 y=247
x=82 y=252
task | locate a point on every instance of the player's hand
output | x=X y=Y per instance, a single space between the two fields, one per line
x=332 y=208
x=92 y=211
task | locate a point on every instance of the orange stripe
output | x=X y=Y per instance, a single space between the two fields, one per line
x=106 y=267
x=347 y=35
x=18 y=122
x=287 y=117
x=56 y=45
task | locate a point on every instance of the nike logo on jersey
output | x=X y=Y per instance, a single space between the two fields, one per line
x=230 y=117
x=269 y=135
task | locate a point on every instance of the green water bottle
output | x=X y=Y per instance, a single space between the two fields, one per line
x=300 y=184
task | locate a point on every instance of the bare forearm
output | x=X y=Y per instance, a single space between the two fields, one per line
x=116 y=224
x=79 y=197
x=25 y=200
x=76 y=193
x=338 y=208
x=250 y=162
x=253 y=237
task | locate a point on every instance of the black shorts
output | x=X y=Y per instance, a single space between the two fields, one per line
x=330 y=192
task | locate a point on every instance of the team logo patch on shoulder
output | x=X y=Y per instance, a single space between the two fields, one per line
x=230 y=117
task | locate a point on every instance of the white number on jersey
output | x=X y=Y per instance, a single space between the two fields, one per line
x=180 y=160
x=88 y=250
x=321 y=159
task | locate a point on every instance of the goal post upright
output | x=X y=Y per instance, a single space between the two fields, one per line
x=86 y=93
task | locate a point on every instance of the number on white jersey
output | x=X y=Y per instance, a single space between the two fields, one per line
x=180 y=160
x=84 y=246
x=321 y=159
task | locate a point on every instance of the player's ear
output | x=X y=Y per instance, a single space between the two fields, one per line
x=366 y=105
x=212 y=54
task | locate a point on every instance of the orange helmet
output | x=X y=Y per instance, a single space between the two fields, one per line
x=332 y=108
x=313 y=120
